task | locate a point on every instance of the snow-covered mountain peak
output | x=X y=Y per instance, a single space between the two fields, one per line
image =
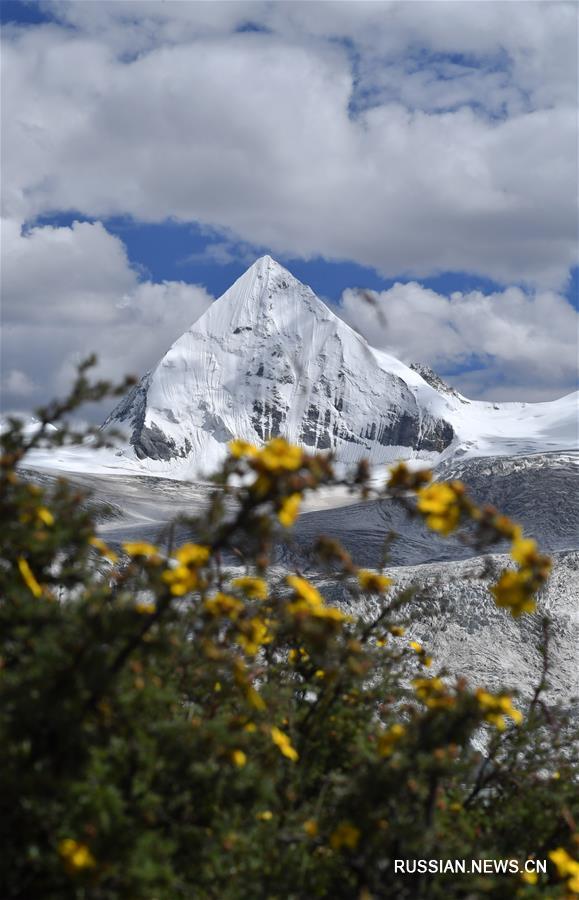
x=267 y=264
x=258 y=279
x=270 y=358
x=262 y=299
x=269 y=269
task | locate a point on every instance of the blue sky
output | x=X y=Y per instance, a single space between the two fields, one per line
x=179 y=251
x=426 y=152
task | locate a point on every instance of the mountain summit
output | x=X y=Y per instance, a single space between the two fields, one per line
x=270 y=358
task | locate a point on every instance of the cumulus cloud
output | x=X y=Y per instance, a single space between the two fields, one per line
x=69 y=292
x=18 y=384
x=411 y=137
x=510 y=345
x=337 y=130
x=68 y=274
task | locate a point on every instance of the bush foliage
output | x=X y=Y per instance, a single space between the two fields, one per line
x=173 y=725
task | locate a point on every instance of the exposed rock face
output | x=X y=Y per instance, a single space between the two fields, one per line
x=434 y=380
x=267 y=359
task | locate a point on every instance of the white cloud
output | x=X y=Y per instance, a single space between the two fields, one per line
x=68 y=274
x=515 y=345
x=302 y=142
x=18 y=384
x=413 y=137
x=69 y=292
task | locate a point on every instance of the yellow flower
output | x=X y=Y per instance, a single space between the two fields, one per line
x=330 y=614
x=345 y=835
x=530 y=877
x=310 y=601
x=289 y=509
x=513 y=591
x=240 y=449
x=371 y=581
x=142 y=548
x=77 y=856
x=265 y=816
x=295 y=655
x=254 y=588
x=28 y=578
x=223 y=605
x=103 y=548
x=496 y=707
x=425 y=687
x=305 y=591
x=310 y=827
x=439 y=504
x=421 y=653
x=433 y=693
x=45 y=515
x=561 y=859
x=567 y=867
x=144 y=607
x=181 y=580
x=238 y=758
x=283 y=742
x=280 y=456
x=388 y=739
x=183 y=577
x=192 y=554
x=506 y=705
x=524 y=551
x=253 y=635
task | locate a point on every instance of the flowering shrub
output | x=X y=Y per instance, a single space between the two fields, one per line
x=173 y=728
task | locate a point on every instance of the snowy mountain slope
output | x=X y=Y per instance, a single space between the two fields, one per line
x=454 y=615
x=456 y=618
x=270 y=358
x=459 y=622
x=536 y=491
